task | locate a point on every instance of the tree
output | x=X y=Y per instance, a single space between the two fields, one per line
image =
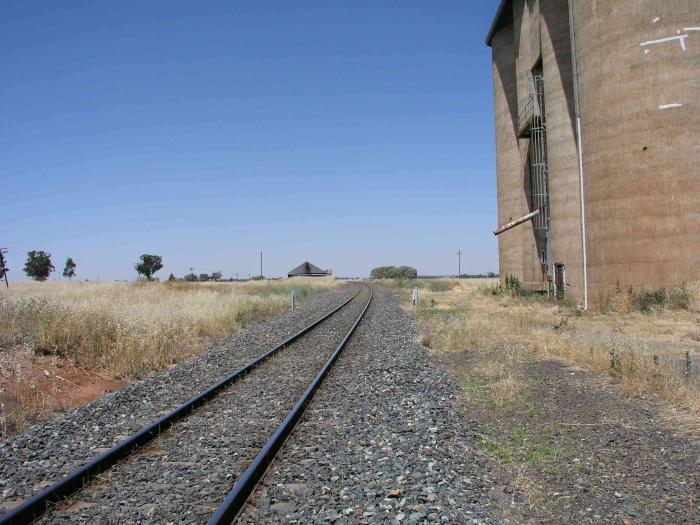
x=394 y=272
x=69 y=270
x=171 y=277
x=203 y=277
x=38 y=265
x=216 y=276
x=149 y=265
x=190 y=277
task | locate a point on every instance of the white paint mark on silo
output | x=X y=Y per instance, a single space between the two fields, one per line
x=681 y=38
x=656 y=19
x=669 y=106
x=646 y=51
x=691 y=28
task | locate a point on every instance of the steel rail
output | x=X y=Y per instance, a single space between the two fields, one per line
x=235 y=501
x=36 y=505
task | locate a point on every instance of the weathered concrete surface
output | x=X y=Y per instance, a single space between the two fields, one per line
x=642 y=181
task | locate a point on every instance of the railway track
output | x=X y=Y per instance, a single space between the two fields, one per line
x=243 y=420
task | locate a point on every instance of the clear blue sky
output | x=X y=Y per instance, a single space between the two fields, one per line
x=352 y=134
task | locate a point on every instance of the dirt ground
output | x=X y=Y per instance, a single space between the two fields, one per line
x=570 y=448
x=34 y=387
x=587 y=417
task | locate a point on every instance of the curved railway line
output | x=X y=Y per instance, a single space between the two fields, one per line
x=303 y=350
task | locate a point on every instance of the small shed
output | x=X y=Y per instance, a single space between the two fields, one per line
x=306 y=269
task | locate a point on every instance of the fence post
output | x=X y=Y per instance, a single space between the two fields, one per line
x=294 y=297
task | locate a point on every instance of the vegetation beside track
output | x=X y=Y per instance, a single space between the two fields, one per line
x=584 y=414
x=644 y=350
x=88 y=331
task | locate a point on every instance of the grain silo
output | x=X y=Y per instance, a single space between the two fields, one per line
x=597 y=151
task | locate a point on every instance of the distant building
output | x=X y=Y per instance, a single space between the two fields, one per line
x=627 y=210
x=306 y=269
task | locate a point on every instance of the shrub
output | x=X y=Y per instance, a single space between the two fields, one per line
x=646 y=301
x=394 y=272
x=681 y=298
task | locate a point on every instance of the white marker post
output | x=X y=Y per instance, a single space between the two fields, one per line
x=415 y=297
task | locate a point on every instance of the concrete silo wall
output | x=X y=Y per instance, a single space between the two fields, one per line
x=535 y=30
x=639 y=87
x=639 y=65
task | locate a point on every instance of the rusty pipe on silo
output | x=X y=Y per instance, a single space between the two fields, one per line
x=512 y=224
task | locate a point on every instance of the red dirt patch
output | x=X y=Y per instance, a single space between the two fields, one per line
x=36 y=387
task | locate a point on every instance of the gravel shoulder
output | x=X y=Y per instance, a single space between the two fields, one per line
x=47 y=451
x=381 y=442
x=572 y=449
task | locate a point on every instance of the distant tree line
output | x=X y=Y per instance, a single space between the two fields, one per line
x=202 y=277
x=393 y=272
x=38 y=266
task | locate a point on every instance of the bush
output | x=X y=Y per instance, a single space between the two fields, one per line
x=681 y=298
x=646 y=301
x=394 y=272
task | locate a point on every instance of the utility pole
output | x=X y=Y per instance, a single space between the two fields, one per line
x=459 y=263
x=236 y=276
x=261 y=272
x=3 y=269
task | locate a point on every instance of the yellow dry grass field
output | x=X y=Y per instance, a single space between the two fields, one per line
x=130 y=329
x=655 y=353
x=123 y=330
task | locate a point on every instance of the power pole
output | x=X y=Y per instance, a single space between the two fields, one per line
x=261 y=272
x=3 y=269
x=459 y=263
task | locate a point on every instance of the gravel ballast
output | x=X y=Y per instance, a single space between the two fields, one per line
x=183 y=475
x=381 y=441
x=48 y=451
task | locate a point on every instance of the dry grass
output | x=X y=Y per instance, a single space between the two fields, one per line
x=643 y=353
x=130 y=329
x=96 y=332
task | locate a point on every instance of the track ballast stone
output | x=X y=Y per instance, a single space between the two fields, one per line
x=183 y=475
x=49 y=450
x=381 y=442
